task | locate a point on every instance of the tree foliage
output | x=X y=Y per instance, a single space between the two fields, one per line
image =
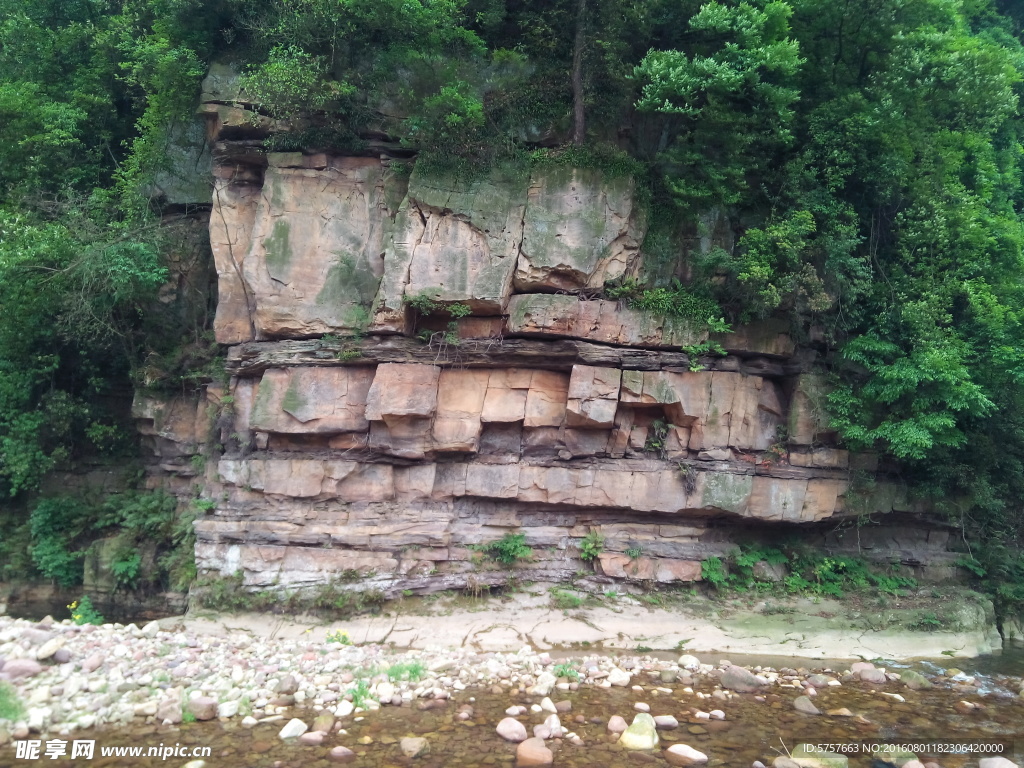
x=869 y=154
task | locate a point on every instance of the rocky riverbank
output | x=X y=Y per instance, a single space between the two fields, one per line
x=69 y=678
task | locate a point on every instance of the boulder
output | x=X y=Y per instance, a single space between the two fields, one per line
x=641 y=734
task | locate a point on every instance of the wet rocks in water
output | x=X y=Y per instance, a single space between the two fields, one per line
x=532 y=753
x=686 y=661
x=312 y=738
x=665 y=722
x=511 y=729
x=684 y=755
x=641 y=734
x=873 y=676
x=547 y=705
x=803 y=704
x=293 y=729
x=414 y=746
x=740 y=680
x=324 y=722
x=915 y=681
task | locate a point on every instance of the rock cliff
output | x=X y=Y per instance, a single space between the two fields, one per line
x=418 y=367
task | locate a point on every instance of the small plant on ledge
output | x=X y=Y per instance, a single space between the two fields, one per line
x=508 y=549
x=591 y=546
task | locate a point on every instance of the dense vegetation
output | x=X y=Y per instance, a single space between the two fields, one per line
x=873 y=148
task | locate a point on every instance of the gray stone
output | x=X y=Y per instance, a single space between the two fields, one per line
x=740 y=680
x=288 y=685
x=803 y=704
x=915 y=680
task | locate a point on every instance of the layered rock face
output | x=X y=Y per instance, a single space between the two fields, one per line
x=418 y=368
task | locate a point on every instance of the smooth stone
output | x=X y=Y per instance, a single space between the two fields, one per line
x=618 y=677
x=874 y=676
x=203 y=708
x=740 y=680
x=803 y=704
x=15 y=668
x=511 y=729
x=683 y=754
x=341 y=755
x=547 y=705
x=414 y=746
x=532 y=753
x=293 y=729
x=312 y=738
x=617 y=724
x=641 y=734
x=665 y=722
x=914 y=680
x=686 y=661
x=324 y=721
x=642 y=707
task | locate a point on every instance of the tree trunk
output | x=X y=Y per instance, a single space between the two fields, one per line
x=579 y=117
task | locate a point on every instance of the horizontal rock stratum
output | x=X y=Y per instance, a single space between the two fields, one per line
x=422 y=363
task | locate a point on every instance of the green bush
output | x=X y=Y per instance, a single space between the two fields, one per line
x=509 y=549
x=591 y=546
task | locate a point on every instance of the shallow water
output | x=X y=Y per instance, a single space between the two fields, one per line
x=752 y=731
